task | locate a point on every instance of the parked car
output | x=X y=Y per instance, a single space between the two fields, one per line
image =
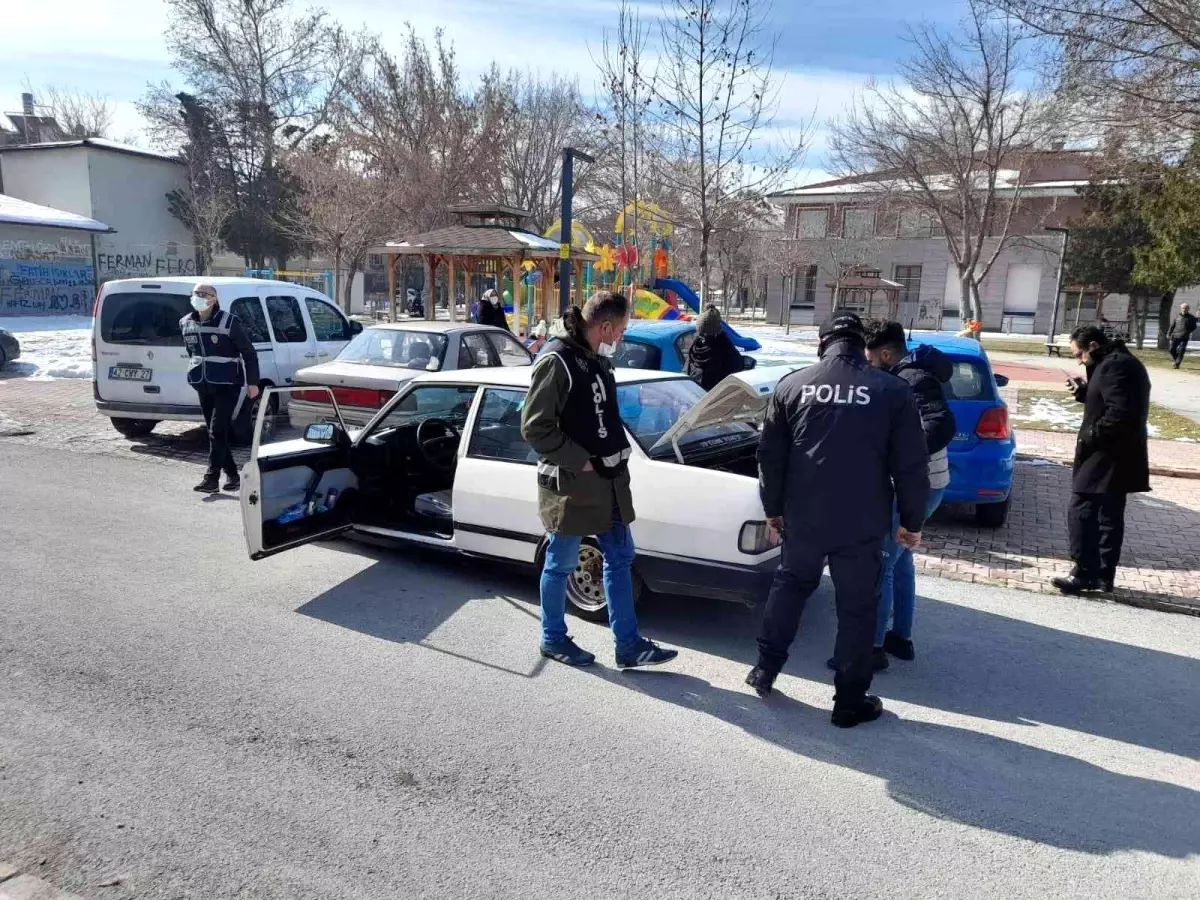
x=140 y=364
x=443 y=466
x=984 y=447
x=10 y=347
x=660 y=346
x=383 y=357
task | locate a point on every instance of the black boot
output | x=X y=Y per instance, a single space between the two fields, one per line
x=899 y=647
x=848 y=713
x=209 y=485
x=1073 y=584
x=762 y=680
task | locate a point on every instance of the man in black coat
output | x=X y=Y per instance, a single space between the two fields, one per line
x=712 y=356
x=1181 y=332
x=1111 y=457
x=839 y=440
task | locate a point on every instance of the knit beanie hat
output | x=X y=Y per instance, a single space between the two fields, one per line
x=708 y=323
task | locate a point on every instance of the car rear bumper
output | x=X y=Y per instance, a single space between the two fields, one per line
x=983 y=474
x=703 y=578
x=159 y=411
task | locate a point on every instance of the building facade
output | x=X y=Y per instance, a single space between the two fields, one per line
x=842 y=224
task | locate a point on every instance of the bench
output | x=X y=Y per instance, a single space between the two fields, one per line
x=1056 y=348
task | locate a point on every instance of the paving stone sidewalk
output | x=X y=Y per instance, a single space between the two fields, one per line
x=1160 y=565
x=16 y=886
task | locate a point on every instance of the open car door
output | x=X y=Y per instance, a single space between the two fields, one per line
x=300 y=490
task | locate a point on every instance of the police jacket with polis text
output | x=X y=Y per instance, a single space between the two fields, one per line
x=840 y=439
x=220 y=351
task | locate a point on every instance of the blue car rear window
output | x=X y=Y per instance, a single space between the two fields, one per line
x=970 y=380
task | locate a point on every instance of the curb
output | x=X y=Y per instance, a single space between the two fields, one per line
x=1164 y=471
x=15 y=886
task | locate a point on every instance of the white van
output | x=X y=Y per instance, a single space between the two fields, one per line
x=140 y=364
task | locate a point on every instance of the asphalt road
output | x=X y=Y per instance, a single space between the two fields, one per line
x=342 y=722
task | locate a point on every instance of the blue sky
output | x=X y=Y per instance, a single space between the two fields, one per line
x=825 y=50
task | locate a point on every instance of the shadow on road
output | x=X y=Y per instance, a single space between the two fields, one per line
x=970 y=662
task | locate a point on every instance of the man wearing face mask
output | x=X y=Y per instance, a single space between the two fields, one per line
x=571 y=418
x=223 y=368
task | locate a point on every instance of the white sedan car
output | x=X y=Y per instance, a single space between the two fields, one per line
x=443 y=465
x=382 y=358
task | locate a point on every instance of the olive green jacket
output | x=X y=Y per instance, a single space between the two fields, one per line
x=584 y=502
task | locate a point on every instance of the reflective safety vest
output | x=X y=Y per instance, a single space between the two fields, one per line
x=214 y=356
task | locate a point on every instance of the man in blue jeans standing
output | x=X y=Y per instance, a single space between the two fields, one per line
x=571 y=418
x=926 y=370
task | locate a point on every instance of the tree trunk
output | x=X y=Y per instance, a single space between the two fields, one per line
x=1164 y=319
x=1141 y=307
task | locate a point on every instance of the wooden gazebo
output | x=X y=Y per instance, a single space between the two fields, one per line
x=857 y=288
x=493 y=240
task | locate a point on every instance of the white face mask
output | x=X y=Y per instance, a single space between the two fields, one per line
x=199 y=304
x=606 y=349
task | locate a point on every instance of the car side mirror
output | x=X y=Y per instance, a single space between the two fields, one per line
x=331 y=434
x=748 y=362
x=355 y=327
x=1001 y=380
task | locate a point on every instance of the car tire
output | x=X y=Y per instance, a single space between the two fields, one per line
x=133 y=428
x=3 y=359
x=243 y=426
x=585 y=586
x=991 y=515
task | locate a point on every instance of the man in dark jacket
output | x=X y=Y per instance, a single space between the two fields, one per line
x=223 y=368
x=926 y=369
x=1111 y=457
x=840 y=439
x=491 y=312
x=572 y=419
x=1181 y=332
x=712 y=356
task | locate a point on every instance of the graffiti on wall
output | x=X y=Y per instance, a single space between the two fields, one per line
x=46 y=278
x=159 y=261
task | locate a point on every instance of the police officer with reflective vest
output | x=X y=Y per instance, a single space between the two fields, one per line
x=839 y=440
x=224 y=371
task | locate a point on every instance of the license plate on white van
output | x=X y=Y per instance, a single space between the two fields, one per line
x=129 y=373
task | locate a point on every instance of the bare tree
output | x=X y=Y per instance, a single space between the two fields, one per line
x=953 y=141
x=206 y=205
x=343 y=210
x=716 y=94
x=78 y=113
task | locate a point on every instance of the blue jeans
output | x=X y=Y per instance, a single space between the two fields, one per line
x=562 y=558
x=898 y=587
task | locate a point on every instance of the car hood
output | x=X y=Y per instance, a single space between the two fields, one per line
x=741 y=397
x=345 y=374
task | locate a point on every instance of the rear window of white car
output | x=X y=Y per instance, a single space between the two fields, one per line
x=398 y=349
x=143 y=317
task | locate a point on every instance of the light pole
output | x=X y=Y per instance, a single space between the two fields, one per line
x=565 y=229
x=1062 y=268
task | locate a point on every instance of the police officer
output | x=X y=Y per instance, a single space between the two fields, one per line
x=224 y=371
x=837 y=438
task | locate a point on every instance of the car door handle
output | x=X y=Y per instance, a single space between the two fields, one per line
x=310 y=356
x=322 y=354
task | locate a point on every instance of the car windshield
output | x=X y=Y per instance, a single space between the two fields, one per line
x=395 y=348
x=651 y=408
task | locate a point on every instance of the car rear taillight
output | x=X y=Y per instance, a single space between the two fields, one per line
x=360 y=397
x=993 y=424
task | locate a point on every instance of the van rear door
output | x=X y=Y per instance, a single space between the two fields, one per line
x=140 y=356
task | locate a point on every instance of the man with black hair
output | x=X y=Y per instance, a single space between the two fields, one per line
x=1111 y=456
x=1180 y=333
x=572 y=419
x=839 y=440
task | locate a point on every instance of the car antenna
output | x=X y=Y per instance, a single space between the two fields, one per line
x=910 y=328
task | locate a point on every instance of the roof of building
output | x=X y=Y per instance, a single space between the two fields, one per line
x=481 y=240
x=95 y=144
x=14 y=211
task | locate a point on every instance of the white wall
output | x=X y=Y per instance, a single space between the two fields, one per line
x=55 y=177
x=45 y=271
x=129 y=193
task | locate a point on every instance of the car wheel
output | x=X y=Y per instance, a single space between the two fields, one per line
x=132 y=428
x=991 y=515
x=3 y=359
x=585 y=586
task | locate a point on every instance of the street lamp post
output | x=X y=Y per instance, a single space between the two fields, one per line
x=565 y=227
x=1062 y=267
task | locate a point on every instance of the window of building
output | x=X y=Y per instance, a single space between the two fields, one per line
x=807 y=298
x=812 y=224
x=910 y=278
x=914 y=224
x=858 y=224
x=375 y=260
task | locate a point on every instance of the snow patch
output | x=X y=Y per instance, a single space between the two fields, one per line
x=52 y=346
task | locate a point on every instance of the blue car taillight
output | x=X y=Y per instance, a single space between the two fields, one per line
x=993 y=424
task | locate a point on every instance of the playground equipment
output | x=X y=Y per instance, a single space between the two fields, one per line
x=318 y=281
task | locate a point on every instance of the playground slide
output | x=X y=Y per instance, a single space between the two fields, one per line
x=688 y=296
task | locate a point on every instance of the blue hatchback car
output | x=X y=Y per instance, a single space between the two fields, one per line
x=663 y=345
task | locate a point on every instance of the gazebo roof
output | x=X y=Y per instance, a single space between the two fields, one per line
x=482 y=240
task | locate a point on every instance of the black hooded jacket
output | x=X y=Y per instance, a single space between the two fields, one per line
x=926 y=369
x=1111 y=454
x=836 y=439
x=712 y=358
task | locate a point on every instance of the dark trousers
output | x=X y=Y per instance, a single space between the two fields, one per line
x=1178 y=349
x=1096 y=523
x=219 y=401
x=855 y=571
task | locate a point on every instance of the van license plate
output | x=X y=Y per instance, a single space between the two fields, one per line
x=129 y=373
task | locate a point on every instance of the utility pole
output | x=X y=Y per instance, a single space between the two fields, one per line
x=565 y=228
x=1062 y=265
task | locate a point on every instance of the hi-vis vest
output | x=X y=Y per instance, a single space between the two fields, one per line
x=214 y=356
x=592 y=417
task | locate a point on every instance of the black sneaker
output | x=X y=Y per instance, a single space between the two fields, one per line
x=234 y=483
x=568 y=653
x=210 y=485
x=762 y=680
x=1073 y=584
x=879 y=660
x=865 y=709
x=645 y=653
x=899 y=647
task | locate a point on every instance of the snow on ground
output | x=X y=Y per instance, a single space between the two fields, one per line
x=52 y=346
x=1061 y=415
